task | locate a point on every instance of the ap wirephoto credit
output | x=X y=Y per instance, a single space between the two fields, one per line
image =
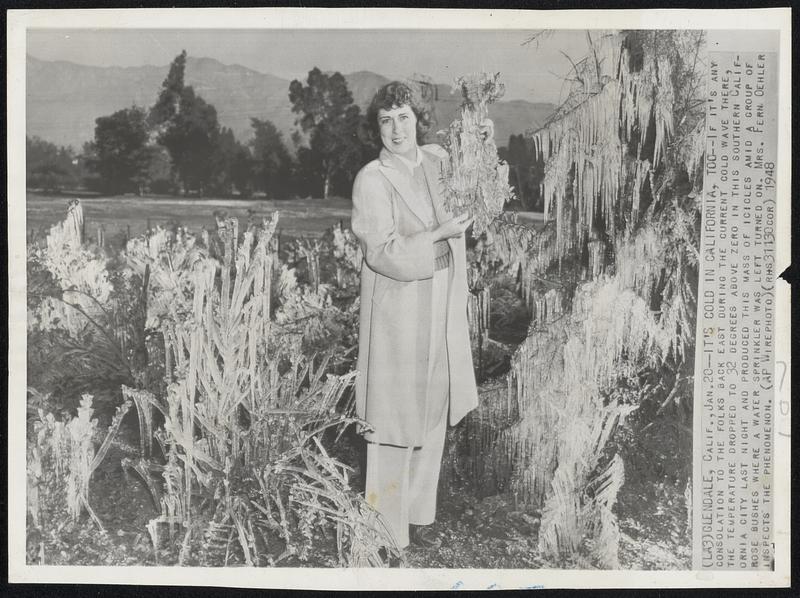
x=399 y=299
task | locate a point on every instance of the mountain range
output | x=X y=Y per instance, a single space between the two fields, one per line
x=65 y=98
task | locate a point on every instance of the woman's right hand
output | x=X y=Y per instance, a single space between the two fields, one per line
x=454 y=227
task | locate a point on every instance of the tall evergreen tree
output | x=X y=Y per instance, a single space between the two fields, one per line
x=187 y=126
x=330 y=121
x=168 y=102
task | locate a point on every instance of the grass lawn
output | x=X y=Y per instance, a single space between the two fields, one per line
x=300 y=217
x=131 y=215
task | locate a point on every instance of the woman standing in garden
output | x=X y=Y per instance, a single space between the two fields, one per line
x=415 y=361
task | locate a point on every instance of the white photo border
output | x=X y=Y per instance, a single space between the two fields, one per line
x=19 y=21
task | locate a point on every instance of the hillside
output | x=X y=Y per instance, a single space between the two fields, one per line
x=64 y=98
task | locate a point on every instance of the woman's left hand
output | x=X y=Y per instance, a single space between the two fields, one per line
x=487 y=129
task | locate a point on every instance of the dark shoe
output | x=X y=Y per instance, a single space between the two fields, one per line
x=423 y=536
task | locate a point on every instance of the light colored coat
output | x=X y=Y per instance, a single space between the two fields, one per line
x=395 y=231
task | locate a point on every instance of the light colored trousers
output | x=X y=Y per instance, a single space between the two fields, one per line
x=402 y=481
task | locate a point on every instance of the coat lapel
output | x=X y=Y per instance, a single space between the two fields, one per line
x=397 y=175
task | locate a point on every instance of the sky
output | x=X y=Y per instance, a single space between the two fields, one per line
x=532 y=72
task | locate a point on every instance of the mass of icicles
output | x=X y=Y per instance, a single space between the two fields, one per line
x=478 y=309
x=692 y=149
x=583 y=152
x=642 y=174
x=633 y=309
x=545 y=306
x=476 y=450
x=475 y=180
x=648 y=91
x=585 y=148
x=643 y=260
x=597 y=259
x=557 y=381
x=515 y=245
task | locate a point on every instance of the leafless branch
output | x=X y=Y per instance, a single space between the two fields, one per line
x=574 y=67
x=538 y=36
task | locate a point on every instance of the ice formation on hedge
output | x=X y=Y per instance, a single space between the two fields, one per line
x=630 y=313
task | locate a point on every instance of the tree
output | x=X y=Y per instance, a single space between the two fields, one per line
x=518 y=160
x=525 y=171
x=160 y=175
x=187 y=126
x=48 y=166
x=271 y=160
x=121 y=156
x=167 y=105
x=330 y=120
x=234 y=165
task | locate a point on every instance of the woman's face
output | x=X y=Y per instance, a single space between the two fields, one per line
x=398 y=128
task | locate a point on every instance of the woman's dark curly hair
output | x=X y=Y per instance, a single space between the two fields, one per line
x=394 y=95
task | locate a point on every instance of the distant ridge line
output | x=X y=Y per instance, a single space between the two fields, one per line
x=64 y=98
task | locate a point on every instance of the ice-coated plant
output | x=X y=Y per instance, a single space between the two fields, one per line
x=72 y=449
x=79 y=273
x=231 y=436
x=475 y=179
x=244 y=414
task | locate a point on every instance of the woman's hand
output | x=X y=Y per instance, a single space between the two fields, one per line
x=452 y=228
x=487 y=129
